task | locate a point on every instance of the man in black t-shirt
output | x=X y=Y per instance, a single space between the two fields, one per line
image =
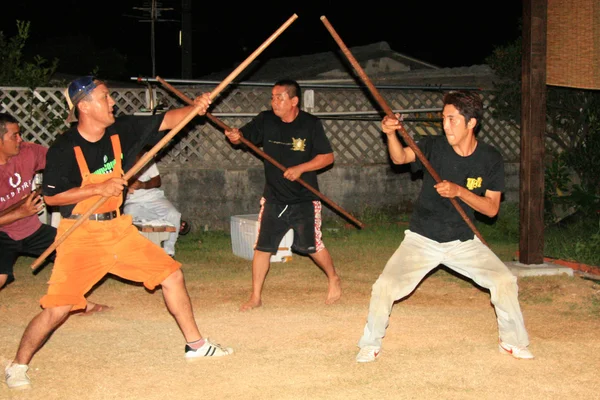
x=471 y=172
x=297 y=141
x=84 y=165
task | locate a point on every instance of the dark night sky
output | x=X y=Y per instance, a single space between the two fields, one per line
x=450 y=34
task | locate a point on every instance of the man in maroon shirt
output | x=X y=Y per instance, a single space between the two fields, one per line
x=21 y=231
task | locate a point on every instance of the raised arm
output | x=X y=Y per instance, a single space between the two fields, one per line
x=173 y=117
x=398 y=153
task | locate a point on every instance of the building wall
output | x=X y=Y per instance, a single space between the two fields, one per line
x=210 y=197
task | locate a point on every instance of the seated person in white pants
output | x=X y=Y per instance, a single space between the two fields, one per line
x=145 y=201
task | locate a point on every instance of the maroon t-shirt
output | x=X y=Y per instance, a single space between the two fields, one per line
x=16 y=179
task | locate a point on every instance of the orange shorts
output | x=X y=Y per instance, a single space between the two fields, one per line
x=96 y=248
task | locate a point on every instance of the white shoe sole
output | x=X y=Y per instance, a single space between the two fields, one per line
x=20 y=387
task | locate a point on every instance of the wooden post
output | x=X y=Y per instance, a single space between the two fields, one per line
x=533 y=127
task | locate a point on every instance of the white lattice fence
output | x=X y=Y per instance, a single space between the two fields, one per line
x=354 y=134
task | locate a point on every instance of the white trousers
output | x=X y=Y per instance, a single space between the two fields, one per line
x=157 y=207
x=417 y=256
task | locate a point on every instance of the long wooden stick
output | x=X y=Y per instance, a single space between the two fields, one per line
x=261 y=153
x=388 y=110
x=152 y=152
x=252 y=56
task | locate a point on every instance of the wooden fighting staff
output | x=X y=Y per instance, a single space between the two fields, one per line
x=261 y=153
x=152 y=152
x=388 y=110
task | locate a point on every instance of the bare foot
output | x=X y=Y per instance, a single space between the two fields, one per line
x=250 y=304
x=92 y=308
x=335 y=290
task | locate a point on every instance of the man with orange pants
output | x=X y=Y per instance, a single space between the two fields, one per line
x=85 y=164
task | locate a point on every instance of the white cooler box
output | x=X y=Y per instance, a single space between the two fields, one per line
x=244 y=232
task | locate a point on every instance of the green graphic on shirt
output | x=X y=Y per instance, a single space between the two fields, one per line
x=108 y=166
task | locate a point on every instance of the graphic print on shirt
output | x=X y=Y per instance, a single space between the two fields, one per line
x=474 y=183
x=16 y=182
x=297 y=144
x=108 y=166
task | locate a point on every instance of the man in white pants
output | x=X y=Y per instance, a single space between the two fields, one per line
x=472 y=172
x=146 y=201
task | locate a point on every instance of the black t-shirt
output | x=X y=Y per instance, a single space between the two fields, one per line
x=62 y=172
x=289 y=144
x=434 y=216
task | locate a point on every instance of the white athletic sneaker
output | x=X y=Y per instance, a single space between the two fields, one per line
x=208 y=349
x=16 y=376
x=368 y=354
x=521 y=353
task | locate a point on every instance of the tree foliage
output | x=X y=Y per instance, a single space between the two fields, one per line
x=16 y=70
x=89 y=59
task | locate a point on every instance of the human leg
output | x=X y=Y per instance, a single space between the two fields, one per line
x=477 y=262
x=73 y=275
x=3 y=279
x=152 y=266
x=37 y=332
x=157 y=207
x=139 y=211
x=260 y=266
x=305 y=220
x=323 y=259
x=409 y=264
x=8 y=255
x=80 y=263
x=38 y=242
x=271 y=229
x=165 y=210
x=93 y=308
x=179 y=305
x=34 y=245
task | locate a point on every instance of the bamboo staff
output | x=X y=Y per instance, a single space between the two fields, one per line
x=261 y=153
x=150 y=154
x=388 y=110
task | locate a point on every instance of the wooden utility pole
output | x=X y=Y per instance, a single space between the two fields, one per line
x=533 y=128
x=154 y=8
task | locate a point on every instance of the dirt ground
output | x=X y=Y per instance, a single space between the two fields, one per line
x=441 y=342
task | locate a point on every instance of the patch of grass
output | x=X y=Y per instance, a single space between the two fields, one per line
x=595 y=307
x=574 y=239
x=577 y=240
x=359 y=255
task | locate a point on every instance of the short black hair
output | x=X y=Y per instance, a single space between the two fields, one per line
x=468 y=104
x=292 y=88
x=6 y=119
